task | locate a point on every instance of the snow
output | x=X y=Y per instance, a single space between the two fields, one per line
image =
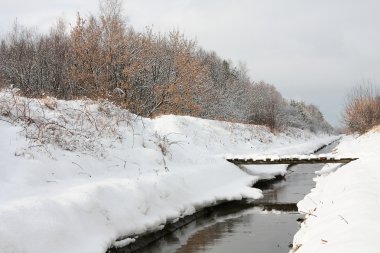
x=344 y=207
x=282 y=157
x=93 y=173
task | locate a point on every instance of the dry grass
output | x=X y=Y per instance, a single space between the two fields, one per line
x=71 y=127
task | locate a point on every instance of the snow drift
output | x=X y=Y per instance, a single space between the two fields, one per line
x=344 y=207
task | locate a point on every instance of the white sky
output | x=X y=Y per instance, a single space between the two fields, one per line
x=310 y=50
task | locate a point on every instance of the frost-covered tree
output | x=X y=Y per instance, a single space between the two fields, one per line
x=266 y=105
x=298 y=114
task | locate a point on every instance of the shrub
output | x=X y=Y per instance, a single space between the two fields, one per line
x=362 y=110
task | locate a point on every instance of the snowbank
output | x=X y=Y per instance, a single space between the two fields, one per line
x=89 y=172
x=344 y=207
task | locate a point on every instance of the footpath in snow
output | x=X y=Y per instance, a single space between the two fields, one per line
x=344 y=208
x=89 y=172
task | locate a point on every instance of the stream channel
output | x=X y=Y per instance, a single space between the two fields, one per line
x=266 y=225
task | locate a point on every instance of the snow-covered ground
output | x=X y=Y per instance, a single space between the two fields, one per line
x=344 y=208
x=90 y=173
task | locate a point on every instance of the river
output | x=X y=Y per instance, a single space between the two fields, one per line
x=243 y=226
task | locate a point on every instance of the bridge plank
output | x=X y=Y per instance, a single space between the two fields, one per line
x=250 y=161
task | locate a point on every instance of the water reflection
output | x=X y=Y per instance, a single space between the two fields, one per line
x=250 y=231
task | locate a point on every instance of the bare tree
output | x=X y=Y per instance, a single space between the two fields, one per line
x=86 y=55
x=113 y=42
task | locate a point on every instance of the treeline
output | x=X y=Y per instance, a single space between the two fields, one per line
x=148 y=73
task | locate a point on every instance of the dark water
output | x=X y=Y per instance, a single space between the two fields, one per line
x=242 y=227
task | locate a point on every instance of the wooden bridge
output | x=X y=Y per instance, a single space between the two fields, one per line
x=292 y=159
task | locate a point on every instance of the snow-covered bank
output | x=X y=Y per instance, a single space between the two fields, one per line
x=90 y=172
x=344 y=207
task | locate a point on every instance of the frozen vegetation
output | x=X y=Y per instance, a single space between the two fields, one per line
x=77 y=175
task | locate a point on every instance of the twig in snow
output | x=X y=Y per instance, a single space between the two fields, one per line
x=42 y=146
x=77 y=165
x=125 y=161
x=6 y=121
x=84 y=173
x=296 y=247
x=307 y=213
x=311 y=200
x=343 y=218
x=166 y=167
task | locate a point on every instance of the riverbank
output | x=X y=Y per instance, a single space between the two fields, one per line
x=78 y=175
x=343 y=210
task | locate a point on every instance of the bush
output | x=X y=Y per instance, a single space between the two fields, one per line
x=362 y=110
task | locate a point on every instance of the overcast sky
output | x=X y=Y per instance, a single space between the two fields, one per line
x=310 y=50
